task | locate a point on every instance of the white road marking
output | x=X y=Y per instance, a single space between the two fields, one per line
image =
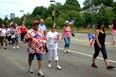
x=84 y=54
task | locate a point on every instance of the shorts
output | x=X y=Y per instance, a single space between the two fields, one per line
x=39 y=56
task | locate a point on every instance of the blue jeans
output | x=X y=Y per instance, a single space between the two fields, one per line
x=39 y=56
x=97 y=50
x=67 y=42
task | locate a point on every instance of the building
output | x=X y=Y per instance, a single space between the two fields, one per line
x=93 y=9
x=12 y=15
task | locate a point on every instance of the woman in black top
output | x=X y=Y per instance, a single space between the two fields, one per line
x=100 y=45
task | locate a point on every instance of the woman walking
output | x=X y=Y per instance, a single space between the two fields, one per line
x=99 y=45
x=66 y=35
x=52 y=45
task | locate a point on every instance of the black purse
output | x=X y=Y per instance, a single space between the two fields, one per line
x=73 y=34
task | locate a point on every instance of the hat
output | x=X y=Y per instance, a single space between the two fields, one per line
x=53 y=26
x=35 y=22
x=66 y=22
x=13 y=24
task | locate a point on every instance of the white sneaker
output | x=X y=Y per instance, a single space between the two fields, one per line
x=68 y=50
x=59 y=67
x=30 y=70
x=49 y=65
x=17 y=46
x=65 y=50
x=13 y=47
x=40 y=73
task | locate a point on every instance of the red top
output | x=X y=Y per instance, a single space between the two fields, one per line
x=23 y=29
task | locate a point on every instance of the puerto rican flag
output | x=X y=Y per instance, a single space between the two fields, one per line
x=91 y=39
x=36 y=36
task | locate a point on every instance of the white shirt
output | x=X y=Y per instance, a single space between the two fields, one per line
x=42 y=27
x=52 y=39
x=3 y=32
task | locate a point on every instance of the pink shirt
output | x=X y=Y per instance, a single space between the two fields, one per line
x=113 y=30
x=67 y=32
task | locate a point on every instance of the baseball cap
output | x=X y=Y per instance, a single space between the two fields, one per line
x=66 y=22
x=35 y=22
x=13 y=24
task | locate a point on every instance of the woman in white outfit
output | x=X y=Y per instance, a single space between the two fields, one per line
x=113 y=28
x=52 y=45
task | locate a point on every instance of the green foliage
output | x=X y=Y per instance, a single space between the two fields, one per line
x=42 y=11
x=88 y=18
x=88 y=3
x=49 y=22
x=105 y=2
x=104 y=15
x=60 y=22
x=6 y=21
x=17 y=20
x=69 y=11
x=1 y=21
x=72 y=5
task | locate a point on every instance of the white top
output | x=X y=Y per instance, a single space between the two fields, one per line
x=3 y=32
x=52 y=39
x=42 y=27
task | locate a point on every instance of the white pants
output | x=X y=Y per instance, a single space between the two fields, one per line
x=114 y=36
x=52 y=52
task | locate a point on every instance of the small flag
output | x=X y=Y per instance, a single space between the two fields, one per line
x=91 y=39
x=36 y=36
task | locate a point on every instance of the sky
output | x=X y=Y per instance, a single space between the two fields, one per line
x=14 y=6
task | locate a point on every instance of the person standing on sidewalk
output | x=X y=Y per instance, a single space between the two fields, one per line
x=36 y=40
x=52 y=46
x=99 y=45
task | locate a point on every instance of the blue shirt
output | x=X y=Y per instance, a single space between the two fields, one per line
x=42 y=27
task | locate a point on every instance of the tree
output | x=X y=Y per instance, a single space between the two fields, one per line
x=60 y=22
x=104 y=15
x=72 y=5
x=41 y=11
x=6 y=21
x=49 y=22
x=114 y=10
x=17 y=20
x=86 y=4
x=0 y=21
x=89 y=18
x=105 y=2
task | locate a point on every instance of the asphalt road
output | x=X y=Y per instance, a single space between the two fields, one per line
x=13 y=62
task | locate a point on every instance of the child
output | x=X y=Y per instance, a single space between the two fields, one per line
x=90 y=37
x=52 y=45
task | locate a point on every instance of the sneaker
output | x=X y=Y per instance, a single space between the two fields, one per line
x=17 y=46
x=40 y=73
x=110 y=67
x=68 y=50
x=94 y=65
x=65 y=50
x=30 y=70
x=49 y=65
x=59 y=67
x=14 y=47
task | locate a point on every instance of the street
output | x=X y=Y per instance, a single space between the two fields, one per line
x=77 y=63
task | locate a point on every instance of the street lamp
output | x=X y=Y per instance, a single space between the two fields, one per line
x=22 y=11
x=24 y=18
x=53 y=12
